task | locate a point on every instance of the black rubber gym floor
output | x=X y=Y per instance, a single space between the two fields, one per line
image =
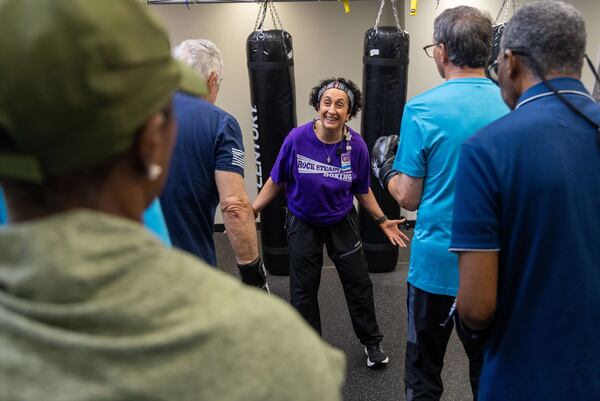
x=363 y=384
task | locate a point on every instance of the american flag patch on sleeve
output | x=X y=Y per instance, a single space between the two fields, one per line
x=237 y=157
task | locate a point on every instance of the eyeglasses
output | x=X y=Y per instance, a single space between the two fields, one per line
x=492 y=69
x=429 y=49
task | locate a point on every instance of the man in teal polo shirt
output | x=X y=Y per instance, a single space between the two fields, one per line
x=434 y=125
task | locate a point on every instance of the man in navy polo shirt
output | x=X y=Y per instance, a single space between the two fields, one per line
x=526 y=220
x=208 y=169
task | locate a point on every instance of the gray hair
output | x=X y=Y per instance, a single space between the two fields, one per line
x=466 y=32
x=552 y=33
x=200 y=54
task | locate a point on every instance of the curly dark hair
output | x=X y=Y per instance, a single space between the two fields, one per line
x=313 y=98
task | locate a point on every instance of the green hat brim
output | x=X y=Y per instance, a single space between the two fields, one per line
x=190 y=82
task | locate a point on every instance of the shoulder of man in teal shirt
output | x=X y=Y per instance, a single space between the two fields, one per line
x=3 y=217
x=153 y=219
x=434 y=126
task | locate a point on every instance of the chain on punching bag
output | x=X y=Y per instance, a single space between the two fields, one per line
x=499 y=25
x=272 y=93
x=596 y=93
x=385 y=77
x=496 y=39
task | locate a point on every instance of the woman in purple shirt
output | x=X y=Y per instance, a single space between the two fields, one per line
x=323 y=165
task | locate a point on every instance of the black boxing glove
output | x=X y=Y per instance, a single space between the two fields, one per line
x=255 y=274
x=382 y=155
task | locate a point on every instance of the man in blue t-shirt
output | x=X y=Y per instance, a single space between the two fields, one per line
x=527 y=218
x=208 y=168
x=434 y=125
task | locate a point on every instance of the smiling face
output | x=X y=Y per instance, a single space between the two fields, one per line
x=334 y=109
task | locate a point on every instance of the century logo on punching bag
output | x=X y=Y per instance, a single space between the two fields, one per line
x=272 y=99
x=256 y=136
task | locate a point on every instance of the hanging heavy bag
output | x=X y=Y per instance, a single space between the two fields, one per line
x=272 y=93
x=385 y=75
x=507 y=7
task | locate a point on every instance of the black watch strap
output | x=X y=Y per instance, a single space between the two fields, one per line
x=381 y=219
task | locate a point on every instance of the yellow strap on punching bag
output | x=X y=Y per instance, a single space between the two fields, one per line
x=413 y=7
x=346 y=6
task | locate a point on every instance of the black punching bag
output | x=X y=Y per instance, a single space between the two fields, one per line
x=385 y=75
x=272 y=93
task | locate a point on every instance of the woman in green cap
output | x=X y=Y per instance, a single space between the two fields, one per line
x=92 y=305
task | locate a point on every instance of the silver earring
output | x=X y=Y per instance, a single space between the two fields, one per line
x=154 y=171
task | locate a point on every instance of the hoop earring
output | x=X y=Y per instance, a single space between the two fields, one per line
x=154 y=171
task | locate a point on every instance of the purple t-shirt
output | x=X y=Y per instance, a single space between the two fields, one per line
x=318 y=192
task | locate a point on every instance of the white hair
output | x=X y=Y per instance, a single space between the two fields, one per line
x=200 y=54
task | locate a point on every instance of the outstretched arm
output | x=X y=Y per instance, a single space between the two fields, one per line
x=268 y=192
x=389 y=227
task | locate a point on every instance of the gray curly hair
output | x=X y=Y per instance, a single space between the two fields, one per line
x=552 y=33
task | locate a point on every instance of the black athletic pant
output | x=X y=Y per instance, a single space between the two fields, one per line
x=305 y=244
x=426 y=346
